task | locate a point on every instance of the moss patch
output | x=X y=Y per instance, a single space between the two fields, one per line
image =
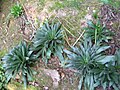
x=17 y=86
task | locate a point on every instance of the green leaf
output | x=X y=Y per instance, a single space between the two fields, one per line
x=96 y=31
x=104 y=85
x=48 y=53
x=115 y=87
x=91 y=24
x=60 y=56
x=25 y=81
x=106 y=59
x=80 y=83
x=105 y=1
x=16 y=10
x=103 y=48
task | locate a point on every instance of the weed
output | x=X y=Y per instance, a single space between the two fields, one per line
x=19 y=60
x=16 y=10
x=49 y=40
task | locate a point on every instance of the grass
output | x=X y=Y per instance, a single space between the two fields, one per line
x=114 y=3
x=66 y=3
x=2 y=53
x=18 y=86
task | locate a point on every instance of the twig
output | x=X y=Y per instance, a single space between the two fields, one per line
x=67 y=39
x=69 y=23
x=79 y=38
x=66 y=29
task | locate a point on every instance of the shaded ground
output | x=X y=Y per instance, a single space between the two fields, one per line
x=111 y=18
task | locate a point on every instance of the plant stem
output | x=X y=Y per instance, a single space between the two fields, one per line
x=95 y=36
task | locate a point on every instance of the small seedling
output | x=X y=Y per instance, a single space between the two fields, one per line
x=16 y=10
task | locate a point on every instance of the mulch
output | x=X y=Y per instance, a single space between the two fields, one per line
x=110 y=17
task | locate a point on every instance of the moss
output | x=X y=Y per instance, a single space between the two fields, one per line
x=43 y=79
x=2 y=53
x=17 y=86
x=65 y=3
x=3 y=82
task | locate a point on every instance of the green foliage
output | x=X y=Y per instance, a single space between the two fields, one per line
x=16 y=10
x=2 y=53
x=19 y=61
x=67 y=3
x=2 y=78
x=84 y=59
x=106 y=75
x=41 y=4
x=114 y=3
x=97 y=32
x=49 y=40
x=117 y=59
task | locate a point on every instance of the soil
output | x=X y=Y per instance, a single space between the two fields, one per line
x=110 y=17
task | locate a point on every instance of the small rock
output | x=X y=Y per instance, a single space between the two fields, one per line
x=54 y=75
x=45 y=88
x=88 y=17
x=3 y=15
